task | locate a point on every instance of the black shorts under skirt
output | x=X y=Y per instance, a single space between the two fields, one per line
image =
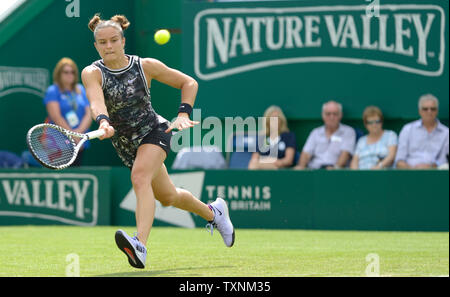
x=159 y=137
x=127 y=149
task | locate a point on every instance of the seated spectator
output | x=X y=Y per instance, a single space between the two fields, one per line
x=331 y=145
x=281 y=143
x=66 y=101
x=377 y=149
x=10 y=160
x=423 y=144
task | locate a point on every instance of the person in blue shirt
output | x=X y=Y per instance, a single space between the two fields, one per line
x=377 y=149
x=277 y=147
x=66 y=102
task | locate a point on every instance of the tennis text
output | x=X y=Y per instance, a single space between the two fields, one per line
x=248 y=198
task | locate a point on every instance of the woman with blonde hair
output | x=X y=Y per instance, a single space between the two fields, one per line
x=377 y=149
x=66 y=102
x=280 y=145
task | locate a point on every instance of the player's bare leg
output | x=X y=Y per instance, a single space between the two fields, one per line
x=148 y=160
x=166 y=192
x=216 y=213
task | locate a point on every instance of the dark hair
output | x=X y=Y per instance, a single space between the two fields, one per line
x=120 y=22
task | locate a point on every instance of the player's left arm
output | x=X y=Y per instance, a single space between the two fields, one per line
x=172 y=77
x=155 y=69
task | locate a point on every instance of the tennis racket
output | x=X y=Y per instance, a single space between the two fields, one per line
x=55 y=147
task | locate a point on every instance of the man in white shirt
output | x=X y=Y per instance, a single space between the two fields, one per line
x=331 y=145
x=423 y=144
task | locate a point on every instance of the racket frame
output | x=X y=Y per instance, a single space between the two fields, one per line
x=70 y=135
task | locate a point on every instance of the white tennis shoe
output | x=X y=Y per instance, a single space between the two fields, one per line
x=222 y=221
x=132 y=247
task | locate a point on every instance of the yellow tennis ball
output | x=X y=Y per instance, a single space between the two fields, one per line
x=162 y=36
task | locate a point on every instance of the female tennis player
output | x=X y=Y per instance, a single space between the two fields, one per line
x=118 y=88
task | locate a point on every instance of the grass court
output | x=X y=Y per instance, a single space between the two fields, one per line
x=177 y=252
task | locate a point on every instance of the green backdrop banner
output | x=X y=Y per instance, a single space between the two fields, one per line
x=75 y=197
x=24 y=79
x=344 y=200
x=333 y=200
x=299 y=54
x=245 y=56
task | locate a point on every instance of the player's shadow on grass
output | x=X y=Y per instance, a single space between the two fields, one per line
x=186 y=271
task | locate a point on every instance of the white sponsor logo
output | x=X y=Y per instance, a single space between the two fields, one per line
x=54 y=197
x=242 y=197
x=23 y=80
x=408 y=38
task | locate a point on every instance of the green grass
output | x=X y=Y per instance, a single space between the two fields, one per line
x=42 y=251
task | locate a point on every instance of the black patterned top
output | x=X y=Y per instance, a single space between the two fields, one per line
x=127 y=99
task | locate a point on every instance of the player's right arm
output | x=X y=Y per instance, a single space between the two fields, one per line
x=92 y=81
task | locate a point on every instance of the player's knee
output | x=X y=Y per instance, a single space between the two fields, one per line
x=139 y=180
x=168 y=200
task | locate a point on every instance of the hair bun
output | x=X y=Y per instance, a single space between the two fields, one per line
x=121 y=20
x=94 y=22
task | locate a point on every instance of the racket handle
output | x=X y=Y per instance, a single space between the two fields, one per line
x=95 y=134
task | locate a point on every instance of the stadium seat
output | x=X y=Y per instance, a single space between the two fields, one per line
x=359 y=133
x=199 y=157
x=296 y=157
x=241 y=145
x=29 y=160
x=10 y=160
x=239 y=160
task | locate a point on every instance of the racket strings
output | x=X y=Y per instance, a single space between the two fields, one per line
x=51 y=146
